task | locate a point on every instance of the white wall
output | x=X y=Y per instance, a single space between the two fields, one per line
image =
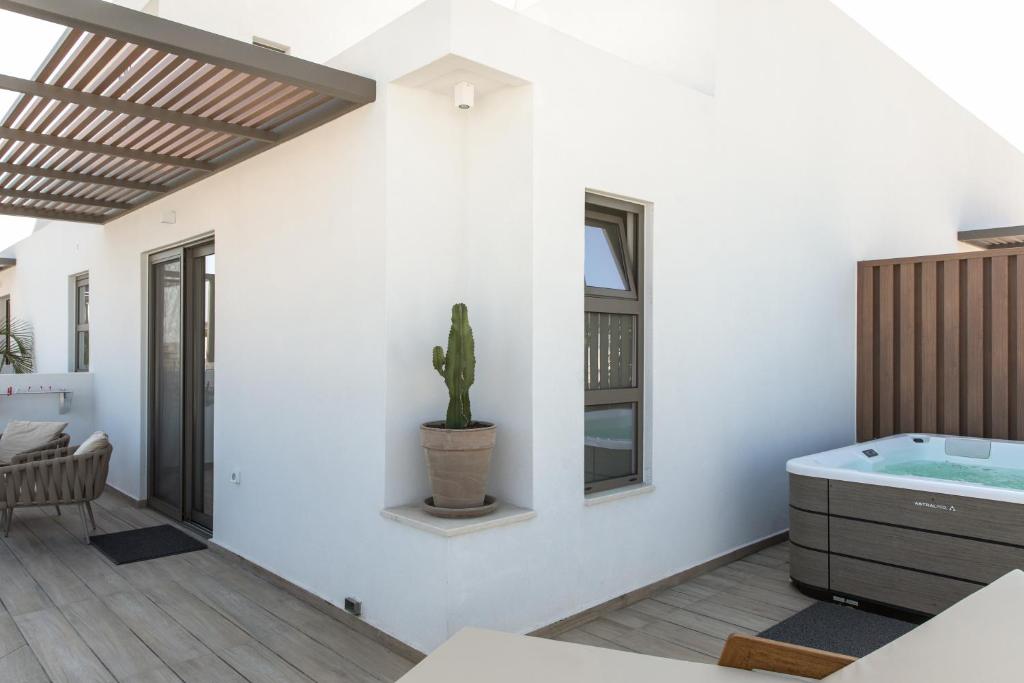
x=29 y=405
x=41 y=295
x=818 y=148
x=674 y=37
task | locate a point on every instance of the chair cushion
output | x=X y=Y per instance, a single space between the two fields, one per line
x=22 y=436
x=97 y=441
x=977 y=639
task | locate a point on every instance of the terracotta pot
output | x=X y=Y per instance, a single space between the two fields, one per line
x=458 y=462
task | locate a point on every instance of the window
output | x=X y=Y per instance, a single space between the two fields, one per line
x=81 y=324
x=613 y=348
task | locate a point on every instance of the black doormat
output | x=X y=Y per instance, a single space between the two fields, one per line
x=145 y=544
x=846 y=630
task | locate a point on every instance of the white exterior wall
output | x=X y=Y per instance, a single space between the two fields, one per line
x=340 y=253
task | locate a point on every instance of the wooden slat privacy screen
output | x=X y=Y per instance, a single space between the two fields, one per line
x=940 y=345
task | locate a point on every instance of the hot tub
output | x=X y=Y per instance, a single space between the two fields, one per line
x=912 y=521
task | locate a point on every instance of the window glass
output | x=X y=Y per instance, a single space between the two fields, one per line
x=609 y=442
x=603 y=265
x=82 y=351
x=81 y=326
x=83 y=303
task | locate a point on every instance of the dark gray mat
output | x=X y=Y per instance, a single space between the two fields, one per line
x=835 y=628
x=145 y=544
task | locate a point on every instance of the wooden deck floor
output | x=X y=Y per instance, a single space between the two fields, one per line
x=692 y=620
x=68 y=614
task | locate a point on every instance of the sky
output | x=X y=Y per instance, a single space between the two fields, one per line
x=968 y=48
x=24 y=43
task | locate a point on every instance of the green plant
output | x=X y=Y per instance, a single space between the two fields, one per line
x=457 y=367
x=16 y=345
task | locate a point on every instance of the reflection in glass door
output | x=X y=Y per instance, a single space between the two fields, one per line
x=182 y=333
x=165 y=424
x=202 y=299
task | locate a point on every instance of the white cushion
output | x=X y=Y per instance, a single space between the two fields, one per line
x=977 y=640
x=474 y=654
x=22 y=436
x=95 y=442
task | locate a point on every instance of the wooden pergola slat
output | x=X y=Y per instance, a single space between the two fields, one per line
x=54 y=174
x=111 y=20
x=46 y=214
x=106 y=150
x=128 y=95
x=78 y=201
x=120 y=106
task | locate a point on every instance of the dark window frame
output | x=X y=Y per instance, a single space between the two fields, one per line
x=6 y=299
x=628 y=218
x=79 y=326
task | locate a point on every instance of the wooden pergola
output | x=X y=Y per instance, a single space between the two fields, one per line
x=129 y=107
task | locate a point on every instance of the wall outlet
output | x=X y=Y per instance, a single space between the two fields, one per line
x=236 y=477
x=353 y=606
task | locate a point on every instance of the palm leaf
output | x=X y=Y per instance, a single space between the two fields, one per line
x=16 y=348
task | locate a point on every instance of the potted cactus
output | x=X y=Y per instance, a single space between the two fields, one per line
x=458 y=449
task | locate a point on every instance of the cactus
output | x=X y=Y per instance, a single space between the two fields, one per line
x=457 y=367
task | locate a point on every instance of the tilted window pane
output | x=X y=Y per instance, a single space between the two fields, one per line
x=603 y=265
x=609 y=351
x=609 y=442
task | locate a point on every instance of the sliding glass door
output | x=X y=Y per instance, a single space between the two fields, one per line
x=181 y=357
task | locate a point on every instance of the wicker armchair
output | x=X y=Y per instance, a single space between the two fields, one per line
x=54 y=449
x=45 y=478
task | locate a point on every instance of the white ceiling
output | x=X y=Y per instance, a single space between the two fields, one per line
x=968 y=48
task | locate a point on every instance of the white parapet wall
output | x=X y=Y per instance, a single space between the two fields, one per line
x=39 y=397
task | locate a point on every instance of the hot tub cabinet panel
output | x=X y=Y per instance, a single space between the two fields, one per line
x=925 y=551
x=903 y=588
x=808 y=529
x=809 y=567
x=989 y=520
x=808 y=493
x=861 y=530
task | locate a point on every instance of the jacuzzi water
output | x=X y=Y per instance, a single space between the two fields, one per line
x=979 y=468
x=953 y=471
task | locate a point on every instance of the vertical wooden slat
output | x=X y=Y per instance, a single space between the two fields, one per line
x=973 y=338
x=997 y=413
x=602 y=355
x=595 y=363
x=886 y=351
x=950 y=408
x=620 y=363
x=865 y=353
x=906 y=371
x=1017 y=350
x=928 y=368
